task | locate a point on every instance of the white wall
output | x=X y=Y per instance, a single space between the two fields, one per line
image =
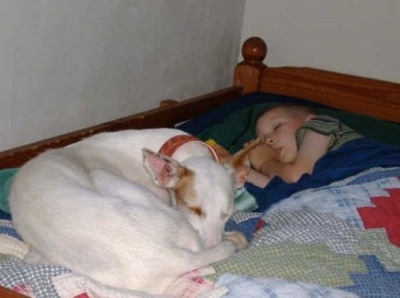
x=360 y=37
x=67 y=64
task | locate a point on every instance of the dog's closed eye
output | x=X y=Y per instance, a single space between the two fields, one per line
x=197 y=210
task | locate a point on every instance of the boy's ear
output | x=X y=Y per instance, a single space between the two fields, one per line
x=240 y=162
x=165 y=172
x=309 y=117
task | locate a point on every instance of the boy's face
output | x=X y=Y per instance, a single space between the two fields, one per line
x=278 y=127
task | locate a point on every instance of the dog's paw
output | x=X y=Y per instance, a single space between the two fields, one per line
x=238 y=239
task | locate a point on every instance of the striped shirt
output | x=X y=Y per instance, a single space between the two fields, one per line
x=326 y=125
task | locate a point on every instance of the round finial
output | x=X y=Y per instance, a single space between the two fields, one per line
x=254 y=49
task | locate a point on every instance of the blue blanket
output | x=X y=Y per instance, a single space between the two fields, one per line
x=352 y=158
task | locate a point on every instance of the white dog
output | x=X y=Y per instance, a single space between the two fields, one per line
x=101 y=207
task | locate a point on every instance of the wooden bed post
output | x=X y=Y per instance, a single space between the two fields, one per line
x=248 y=72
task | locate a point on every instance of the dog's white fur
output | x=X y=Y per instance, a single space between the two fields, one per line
x=95 y=207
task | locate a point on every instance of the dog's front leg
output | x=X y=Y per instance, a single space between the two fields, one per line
x=238 y=239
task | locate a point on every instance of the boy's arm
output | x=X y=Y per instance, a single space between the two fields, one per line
x=257 y=178
x=312 y=148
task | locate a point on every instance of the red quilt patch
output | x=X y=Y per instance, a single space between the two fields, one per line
x=385 y=214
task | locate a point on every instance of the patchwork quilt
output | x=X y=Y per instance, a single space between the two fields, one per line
x=339 y=240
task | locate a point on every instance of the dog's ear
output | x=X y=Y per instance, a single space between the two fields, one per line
x=240 y=163
x=165 y=171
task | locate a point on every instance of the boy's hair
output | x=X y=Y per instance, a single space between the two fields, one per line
x=291 y=108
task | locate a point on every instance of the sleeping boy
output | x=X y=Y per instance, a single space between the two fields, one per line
x=302 y=150
x=294 y=138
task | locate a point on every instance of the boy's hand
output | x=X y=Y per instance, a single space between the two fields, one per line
x=260 y=154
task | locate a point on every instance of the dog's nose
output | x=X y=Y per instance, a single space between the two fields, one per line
x=212 y=241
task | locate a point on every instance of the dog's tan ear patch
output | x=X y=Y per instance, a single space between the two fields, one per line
x=185 y=196
x=240 y=162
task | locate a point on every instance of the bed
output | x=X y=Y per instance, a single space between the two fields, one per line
x=336 y=236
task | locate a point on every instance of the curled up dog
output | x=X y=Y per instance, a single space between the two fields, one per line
x=126 y=210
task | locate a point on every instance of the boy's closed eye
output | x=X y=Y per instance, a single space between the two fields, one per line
x=277 y=126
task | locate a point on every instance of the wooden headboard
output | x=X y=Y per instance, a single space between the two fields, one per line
x=348 y=92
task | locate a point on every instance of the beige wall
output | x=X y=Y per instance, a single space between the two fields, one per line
x=360 y=37
x=68 y=64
